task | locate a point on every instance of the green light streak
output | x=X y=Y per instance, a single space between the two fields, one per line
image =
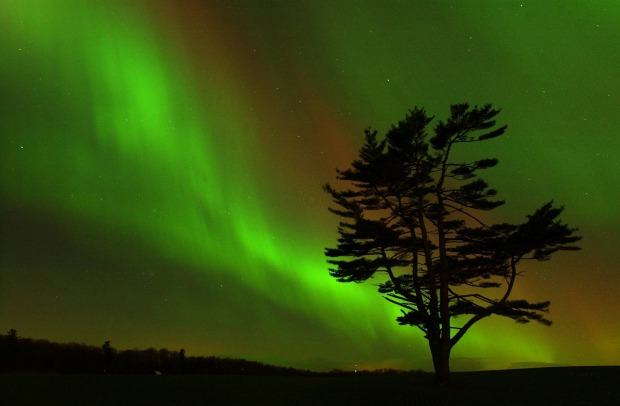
x=148 y=160
x=108 y=117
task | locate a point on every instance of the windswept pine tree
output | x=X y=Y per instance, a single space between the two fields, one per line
x=412 y=215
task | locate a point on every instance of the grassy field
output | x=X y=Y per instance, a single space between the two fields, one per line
x=545 y=386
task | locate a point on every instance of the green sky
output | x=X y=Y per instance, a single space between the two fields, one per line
x=162 y=162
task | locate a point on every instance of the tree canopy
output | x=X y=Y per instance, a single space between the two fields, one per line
x=411 y=214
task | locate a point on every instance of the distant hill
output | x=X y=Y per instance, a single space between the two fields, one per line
x=19 y=354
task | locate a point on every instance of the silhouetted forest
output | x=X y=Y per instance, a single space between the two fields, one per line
x=18 y=354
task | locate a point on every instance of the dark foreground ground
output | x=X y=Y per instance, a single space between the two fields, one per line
x=545 y=386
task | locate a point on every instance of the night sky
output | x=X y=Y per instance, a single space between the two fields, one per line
x=162 y=162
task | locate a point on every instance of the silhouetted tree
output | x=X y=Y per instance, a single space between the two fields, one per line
x=411 y=213
x=12 y=339
x=11 y=344
x=182 y=360
x=108 y=354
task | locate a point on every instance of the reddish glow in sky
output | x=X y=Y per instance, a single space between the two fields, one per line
x=162 y=164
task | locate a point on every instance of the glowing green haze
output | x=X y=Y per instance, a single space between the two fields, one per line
x=162 y=165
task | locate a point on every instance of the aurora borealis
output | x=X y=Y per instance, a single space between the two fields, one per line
x=162 y=163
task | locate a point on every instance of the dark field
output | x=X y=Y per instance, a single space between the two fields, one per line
x=545 y=386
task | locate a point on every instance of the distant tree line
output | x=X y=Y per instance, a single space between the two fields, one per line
x=18 y=354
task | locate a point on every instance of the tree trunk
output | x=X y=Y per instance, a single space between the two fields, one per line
x=441 y=362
